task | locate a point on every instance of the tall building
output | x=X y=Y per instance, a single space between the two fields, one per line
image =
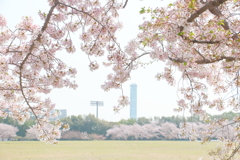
x=133 y=101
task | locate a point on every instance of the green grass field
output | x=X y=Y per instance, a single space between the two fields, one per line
x=104 y=150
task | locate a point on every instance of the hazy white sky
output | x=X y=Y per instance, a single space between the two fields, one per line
x=155 y=98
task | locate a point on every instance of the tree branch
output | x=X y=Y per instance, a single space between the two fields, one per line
x=208 y=6
x=200 y=54
x=196 y=41
x=208 y=42
x=204 y=61
x=27 y=56
x=130 y=63
x=125 y=4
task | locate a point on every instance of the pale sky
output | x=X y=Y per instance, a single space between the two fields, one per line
x=155 y=98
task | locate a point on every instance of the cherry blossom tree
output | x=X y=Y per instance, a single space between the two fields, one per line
x=193 y=131
x=75 y=135
x=31 y=133
x=165 y=131
x=169 y=131
x=119 y=132
x=96 y=137
x=198 y=38
x=30 y=67
x=7 y=131
x=72 y=135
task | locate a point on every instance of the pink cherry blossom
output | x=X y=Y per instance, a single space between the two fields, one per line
x=93 y=66
x=3 y=22
x=123 y=101
x=7 y=131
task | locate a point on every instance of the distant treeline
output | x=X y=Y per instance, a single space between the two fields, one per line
x=90 y=125
x=22 y=128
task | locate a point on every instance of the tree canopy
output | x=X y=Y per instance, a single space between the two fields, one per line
x=198 y=38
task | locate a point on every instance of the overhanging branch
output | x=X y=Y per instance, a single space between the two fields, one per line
x=205 y=42
x=125 y=4
x=208 y=6
x=204 y=61
x=32 y=46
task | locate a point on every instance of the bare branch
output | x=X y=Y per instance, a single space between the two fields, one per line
x=176 y=60
x=215 y=11
x=204 y=61
x=208 y=6
x=200 y=54
x=225 y=25
x=234 y=152
x=207 y=42
x=125 y=4
x=137 y=58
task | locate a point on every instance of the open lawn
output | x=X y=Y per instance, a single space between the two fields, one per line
x=104 y=150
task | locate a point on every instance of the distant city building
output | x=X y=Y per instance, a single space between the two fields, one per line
x=133 y=101
x=62 y=114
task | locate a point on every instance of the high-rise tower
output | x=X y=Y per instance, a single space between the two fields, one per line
x=133 y=101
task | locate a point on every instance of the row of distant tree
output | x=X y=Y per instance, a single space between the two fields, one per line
x=21 y=128
x=89 y=127
x=168 y=131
